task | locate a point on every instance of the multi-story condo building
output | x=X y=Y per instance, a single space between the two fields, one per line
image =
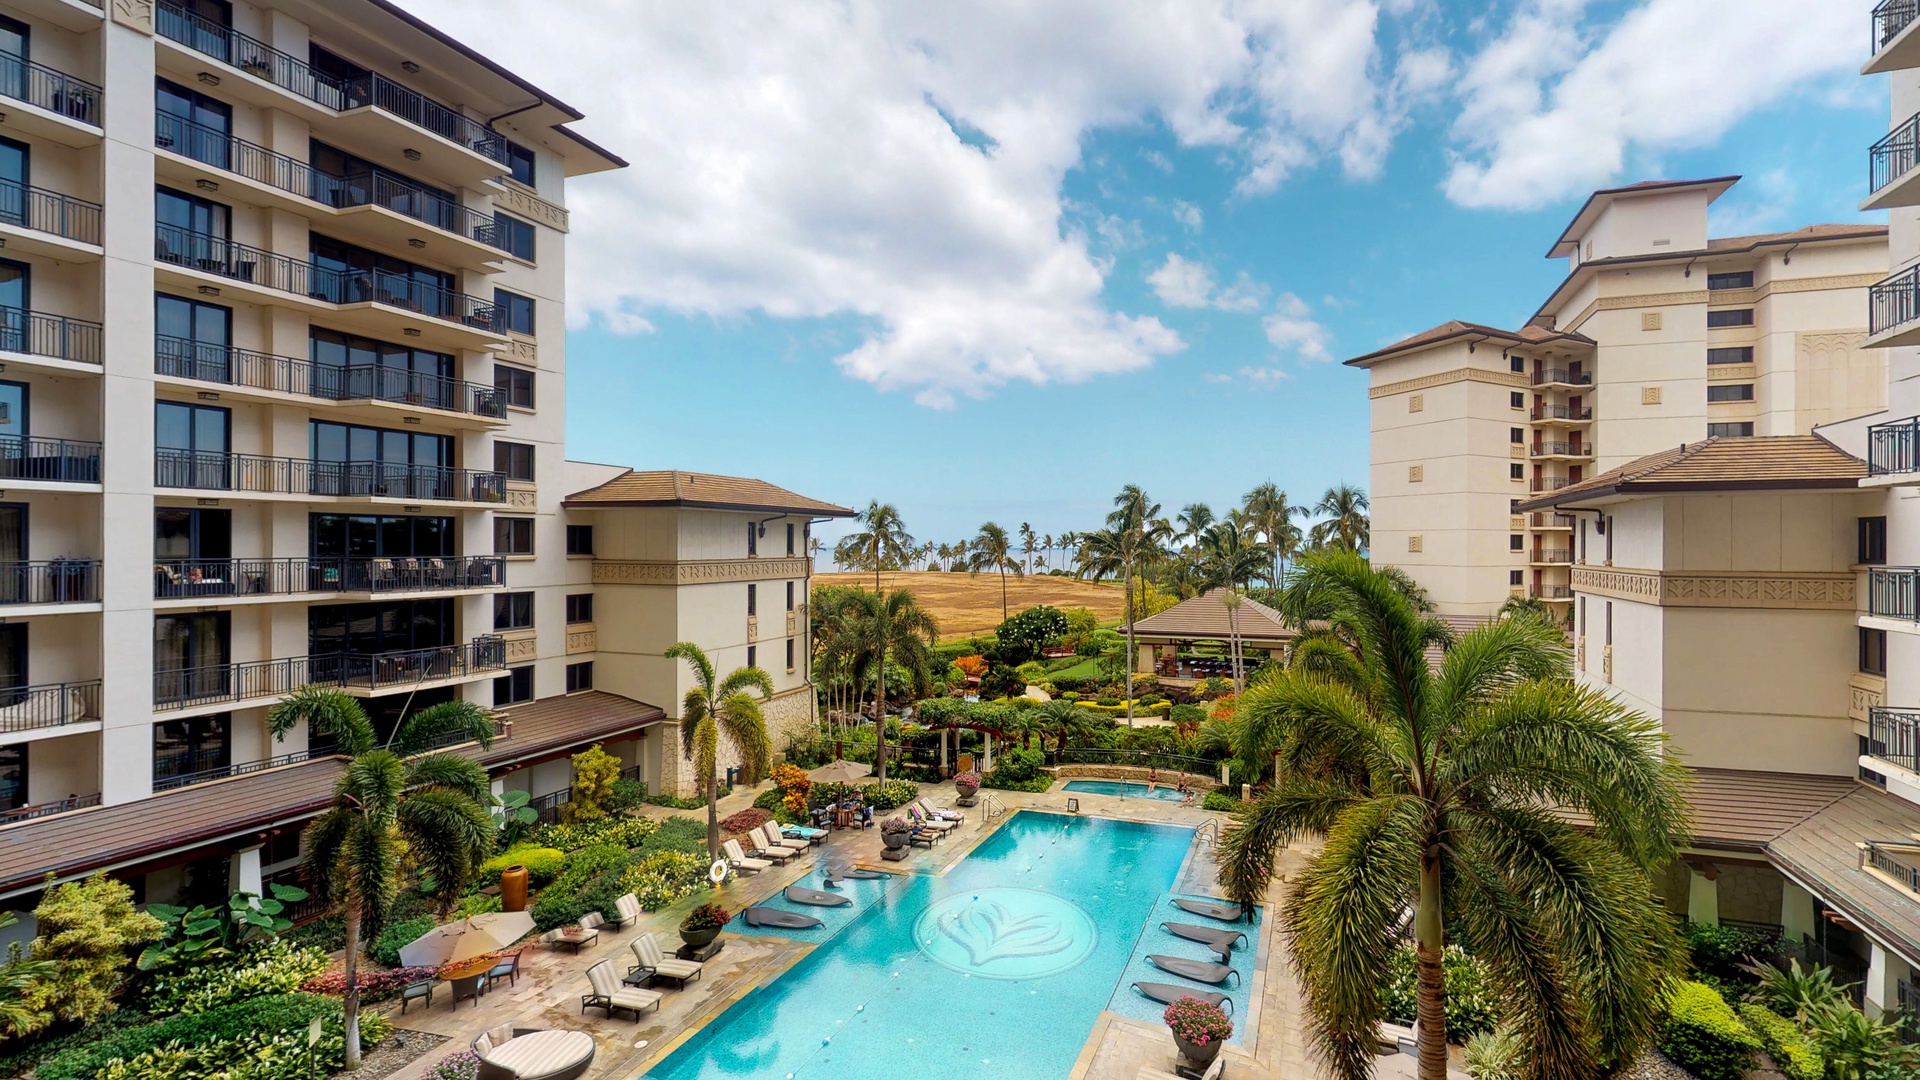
x=281 y=381
x=1658 y=335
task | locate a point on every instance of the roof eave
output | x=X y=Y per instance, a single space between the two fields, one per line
x=690 y=504
x=1633 y=488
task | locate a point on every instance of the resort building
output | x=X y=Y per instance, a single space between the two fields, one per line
x=1658 y=335
x=282 y=366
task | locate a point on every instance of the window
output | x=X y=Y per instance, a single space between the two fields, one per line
x=347 y=366
x=579 y=676
x=1741 y=355
x=514 y=459
x=192 y=232
x=753 y=656
x=1516 y=435
x=192 y=124
x=579 y=539
x=1517 y=364
x=1731 y=317
x=580 y=607
x=191 y=338
x=1741 y=430
x=753 y=540
x=190 y=445
x=1513 y=506
x=1873 y=651
x=1742 y=279
x=1516 y=471
x=1516 y=400
x=1730 y=392
x=340 y=179
x=516 y=311
x=190 y=656
x=192 y=550
x=1873 y=541
x=349 y=274
x=1609 y=620
x=368 y=536
x=519 y=162
x=513 y=236
x=789 y=654
x=753 y=600
x=360 y=460
x=515 y=384
x=1516 y=542
x=513 y=611
x=790 y=547
x=513 y=688
x=1516 y=577
x=182 y=748
x=789 y=596
x=512 y=536
x=387 y=626
x=1608 y=533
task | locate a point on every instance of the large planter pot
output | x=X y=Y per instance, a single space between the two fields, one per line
x=699 y=938
x=1199 y=1055
x=966 y=790
x=894 y=840
x=513 y=889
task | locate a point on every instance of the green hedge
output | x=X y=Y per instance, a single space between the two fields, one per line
x=399 y=935
x=1792 y=1052
x=226 y=1026
x=612 y=829
x=1220 y=800
x=1703 y=1035
x=543 y=864
x=276 y=967
x=894 y=793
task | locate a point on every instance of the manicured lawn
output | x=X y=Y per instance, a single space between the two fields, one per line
x=1091 y=667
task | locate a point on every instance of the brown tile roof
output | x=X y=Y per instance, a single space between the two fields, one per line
x=671 y=487
x=1205 y=616
x=1744 y=810
x=126 y=834
x=1808 y=232
x=1447 y=331
x=1723 y=464
x=1589 y=210
x=1822 y=854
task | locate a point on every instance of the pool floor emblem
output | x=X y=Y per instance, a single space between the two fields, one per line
x=1006 y=933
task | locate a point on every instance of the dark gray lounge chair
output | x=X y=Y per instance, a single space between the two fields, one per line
x=786 y=920
x=815 y=898
x=1197 y=970
x=1220 y=941
x=1168 y=993
x=1209 y=908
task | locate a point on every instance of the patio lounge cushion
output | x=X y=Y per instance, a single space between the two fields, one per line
x=647 y=948
x=739 y=858
x=542 y=1053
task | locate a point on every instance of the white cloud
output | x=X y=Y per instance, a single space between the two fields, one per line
x=1266 y=377
x=1291 y=329
x=900 y=165
x=1187 y=214
x=1552 y=108
x=1185 y=284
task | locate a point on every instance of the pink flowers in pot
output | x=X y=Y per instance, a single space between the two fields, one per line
x=1197 y=1022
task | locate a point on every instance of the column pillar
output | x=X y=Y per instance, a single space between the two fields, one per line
x=243 y=872
x=1703 y=897
x=1879 y=988
x=1796 y=912
x=986 y=752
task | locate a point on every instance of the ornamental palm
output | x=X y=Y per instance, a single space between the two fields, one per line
x=1194 y=520
x=993 y=550
x=1029 y=543
x=1135 y=537
x=1270 y=514
x=396 y=803
x=1446 y=793
x=883 y=545
x=871 y=628
x=725 y=709
x=1346 y=522
x=1227 y=563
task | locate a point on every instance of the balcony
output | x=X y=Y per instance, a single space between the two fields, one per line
x=56 y=581
x=1893 y=311
x=1894 y=592
x=50 y=337
x=49 y=223
x=166 y=778
x=1540 y=520
x=183 y=579
x=1550 y=592
x=31 y=708
x=1561 y=377
x=1899 y=861
x=1551 y=556
x=1892 y=46
x=1561 y=450
x=1893 y=449
x=307 y=478
x=1893 y=736
x=367 y=203
x=1890 y=178
x=1549 y=483
x=365 y=674
x=53 y=461
x=63 y=109
x=244 y=369
x=1550 y=413
x=47 y=809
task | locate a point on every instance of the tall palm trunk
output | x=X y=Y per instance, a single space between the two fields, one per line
x=880 y=716
x=1127 y=569
x=1429 y=941
x=712 y=782
x=350 y=1000
x=1003 y=592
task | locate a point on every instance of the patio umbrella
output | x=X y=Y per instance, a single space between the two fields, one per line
x=467 y=938
x=840 y=772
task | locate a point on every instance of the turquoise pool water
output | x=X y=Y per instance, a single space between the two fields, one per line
x=998 y=968
x=1121 y=787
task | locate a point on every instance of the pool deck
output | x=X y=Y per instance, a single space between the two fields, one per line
x=551 y=981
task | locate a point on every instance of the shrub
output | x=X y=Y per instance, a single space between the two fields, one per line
x=1470 y=1004
x=589 y=883
x=543 y=864
x=88 y=929
x=751 y=818
x=1220 y=800
x=259 y=1055
x=691 y=802
x=1703 y=1036
x=1187 y=714
x=1024 y=634
x=276 y=967
x=889 y=795
x=460 y=1065
x=615 y=829
x=1198 y=1022
x=375 y=984
x=705 y=917
x=770 y=799
x=625 y=794
x=664 y=877
x=594 y=771
x=1017 y=765
x=1785 y=1043
x=1494 y=1055
x=1719 y=950
x=678 y=834
x=398 y=935
x=476 y=904
x=265 y=1016
x=1107 y=702
x=972 y=666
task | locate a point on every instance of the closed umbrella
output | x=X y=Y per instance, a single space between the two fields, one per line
x=840 y=772
x=467 y=938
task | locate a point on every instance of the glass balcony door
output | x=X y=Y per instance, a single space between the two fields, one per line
x=190 y=656
x=194 y=339
x=182 y=748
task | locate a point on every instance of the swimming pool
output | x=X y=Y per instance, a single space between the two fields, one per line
x=1122 y=787
x=998 y=968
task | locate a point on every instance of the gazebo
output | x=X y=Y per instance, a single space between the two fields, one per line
x=1159 y=638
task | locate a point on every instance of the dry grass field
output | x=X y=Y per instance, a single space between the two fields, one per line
x=970 y=603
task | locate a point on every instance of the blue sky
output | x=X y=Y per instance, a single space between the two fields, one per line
x=994 y=268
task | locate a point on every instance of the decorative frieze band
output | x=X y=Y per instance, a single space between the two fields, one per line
x=694 y=572
x=525 y=203
x=1480 y=375
x=520 y=351
x=1723 y=297
x=134 y=14
x=1868 y=691
x=584 y=639
x=522 y=497
x=1731 y=590
x=521 y=645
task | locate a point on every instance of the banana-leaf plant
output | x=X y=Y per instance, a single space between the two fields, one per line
x=207 y=932
x=513 y=817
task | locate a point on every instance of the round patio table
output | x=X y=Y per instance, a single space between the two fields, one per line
x=542 y=1053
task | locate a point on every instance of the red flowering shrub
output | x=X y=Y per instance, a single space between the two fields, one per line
x=751 y=818
x=375 y=983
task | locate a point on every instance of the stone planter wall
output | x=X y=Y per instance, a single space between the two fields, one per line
x=1135 y=774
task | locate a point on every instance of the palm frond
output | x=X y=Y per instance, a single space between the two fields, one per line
x=1495 y=656
x=1296 y=807
x=696 y=657
x=746 y=728
x=435 y=725
x=323 y=840
x=451 y=771
x=447 y=833
x=369 y=867
x=328 y=712
x=740 y=680
x=373 y=783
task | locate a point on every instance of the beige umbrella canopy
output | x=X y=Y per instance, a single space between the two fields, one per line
x=464 y=939
x=840 y=772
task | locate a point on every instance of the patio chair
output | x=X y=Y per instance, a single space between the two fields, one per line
x=628 y=906
x=938 y=813
x=781 y=854
x=740 y=861
x=468 y=986
x=419 y=988
x=658 y=965
x=607 y=993
x=922 y=821
x=508 y=969
x=770 y=837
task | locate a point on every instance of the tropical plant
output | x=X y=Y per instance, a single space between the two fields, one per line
x=1419 y=776
x=1346 y=525
x=1134 y=538
x=1795 y=992
x=869 y=629
x=1227 y=564
x=1857 y=1047
x=594 y=772
x=396 y=804
x=716 y=710
x=1198 y=1022
x=993 y=550
x=1703 y=1035
x=15 y=978
x=205 y=932
x=1029 y=543
x=84 y=932
x=275 y=967
x=1270 y=515
x=705 y=917
x=513 y=819
x=1524 y=605
x=1493 y=1055
x=1193 y=521
x=1792 y=1052
x=1023 y=636
x=882 y=544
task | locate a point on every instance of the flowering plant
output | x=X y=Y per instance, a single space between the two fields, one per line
x=705 y=917
x=895 y=825
x=1197 y=1022
x=966 y=779
x=461 y=1065
x=972 y=665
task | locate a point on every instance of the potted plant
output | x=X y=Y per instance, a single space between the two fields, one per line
x=1199 y=1029
x=968 y=784
x=894 y=832
x=703 y=924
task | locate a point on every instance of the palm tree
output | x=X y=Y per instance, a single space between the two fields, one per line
x=1134 y=538
x=1463 y=776
x=712 y=710
x=1194 y=520
x=993 y=550
x=872 y=627
x=1269 y=513
x=1029 y=542
x=395 y=803
x=883 y=545
x=1227 y=562
x=1345 y=508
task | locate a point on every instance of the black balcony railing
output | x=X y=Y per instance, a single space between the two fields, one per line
x=55 y=91
x=378 y=187
x=24 y=708
x=1563 y=376
x=27 y=457
x=1552 y=592
x=182 y=687
x=1562 y=412
x=242 y=262
x=1563 y=449
x=184 y=359
x=49 y=212
x=36 y=333
x=181 y=771
x=47 y=809
x=1891 y=17
x=189 y=578
x=1894 y=447
x=1549 y=483
x=294 y=75
x=1894 y=592
x=1552 y=555
x=1894 y=302
x=57 y=581
x=1892 y=157
x=1902 y=864
x=1551 y=521
x=1893 y=735
x=305 y=476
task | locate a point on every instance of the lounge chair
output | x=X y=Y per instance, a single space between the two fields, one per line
x=1168 y=993
x=658 y=965
x=1220 y=941
x=814 y=897
x=739 y=860
x=770 y=838
x=937 y=813
x=1210 y=908
x=760 y=849
x=607 y=993
x=804 y=832
x=521 y=1053
x=785 y=920
x=629 y=908
x=1197 y=970
x=930 y=823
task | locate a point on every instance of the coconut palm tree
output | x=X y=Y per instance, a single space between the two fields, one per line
x=993 y=550
x=1345 y=510
x=872 y=629
x=1134 y=538
x=1445 y=794
x=726 y=709
x=1272 y=516
x=1193 y=521
x=1228 y=562
x=882 y=545
x=1029 y=543
x=396 y=803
